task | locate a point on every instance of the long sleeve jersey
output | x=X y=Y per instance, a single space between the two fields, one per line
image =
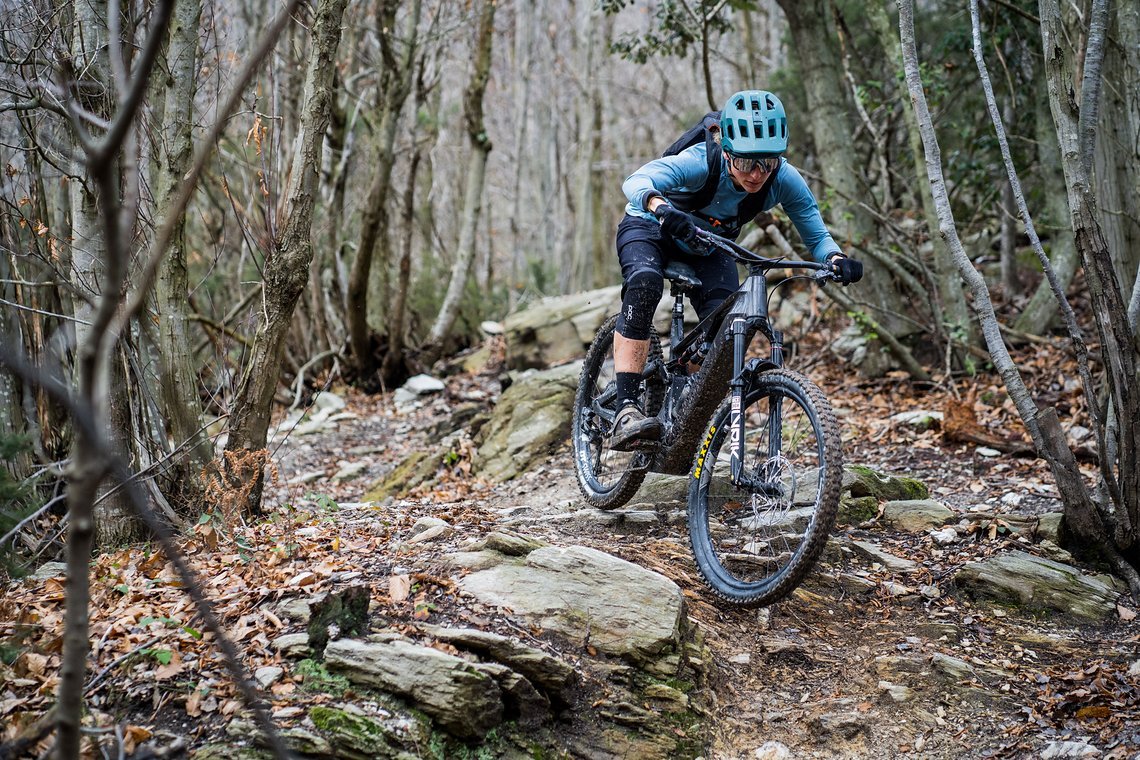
x=687 y=171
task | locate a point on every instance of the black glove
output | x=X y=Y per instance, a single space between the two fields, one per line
x=847 y=270
x=677 y=224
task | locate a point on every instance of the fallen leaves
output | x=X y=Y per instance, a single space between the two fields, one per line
x=399 y=586
x=145 y=634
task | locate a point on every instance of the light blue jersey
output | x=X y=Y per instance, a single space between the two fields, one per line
x=687 y=171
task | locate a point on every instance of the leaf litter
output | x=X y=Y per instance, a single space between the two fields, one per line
x=1020 y=682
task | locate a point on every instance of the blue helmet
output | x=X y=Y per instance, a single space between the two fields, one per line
x=753 y=124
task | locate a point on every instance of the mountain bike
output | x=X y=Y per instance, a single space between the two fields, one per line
x=765 y=461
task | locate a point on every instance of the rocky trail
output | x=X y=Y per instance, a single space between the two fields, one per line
x=428 y=583
x=952 y=626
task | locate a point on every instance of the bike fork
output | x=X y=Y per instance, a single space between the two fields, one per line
x=775 y=402
x=736 y=416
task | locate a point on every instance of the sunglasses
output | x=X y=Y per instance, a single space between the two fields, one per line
x=749 y=165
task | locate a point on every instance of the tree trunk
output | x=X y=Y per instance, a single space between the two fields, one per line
x=11 y=389
x=889 y=42
x=395 y=366
x=750 y=44
x=521 y=84
x=473 y=194
x=395 y=84
x=88 y=259
x=1076 y=130
x=285 y=274
x=425 y=209
x=1041 y=310
x=604 y=266
x=181 y=407
x=1008 y=246
x=816 y=44
x=589 y=149
x=1118 y=143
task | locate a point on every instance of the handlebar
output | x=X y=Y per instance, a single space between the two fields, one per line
x=711 y=240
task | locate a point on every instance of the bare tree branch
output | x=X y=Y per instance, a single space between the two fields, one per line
x=1069 y=318
x=112 y=463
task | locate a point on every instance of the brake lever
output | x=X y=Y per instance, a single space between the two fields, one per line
x=823 y=276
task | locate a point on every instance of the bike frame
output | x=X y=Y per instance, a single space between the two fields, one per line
x=735 y=322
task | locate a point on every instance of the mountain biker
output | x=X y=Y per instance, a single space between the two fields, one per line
x=753 y=177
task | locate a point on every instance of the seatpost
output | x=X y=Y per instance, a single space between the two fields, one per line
x=677 y=325
x=736 y=387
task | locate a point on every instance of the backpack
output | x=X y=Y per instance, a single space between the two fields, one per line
x=706 y=130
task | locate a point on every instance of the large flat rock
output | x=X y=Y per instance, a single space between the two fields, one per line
x=464 y=699
x=1037 y=584
x=588 y=596
x=531 y=419
x=916 y=515
x=557 y=329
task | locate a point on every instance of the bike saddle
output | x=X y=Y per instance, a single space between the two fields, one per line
x=683 y=276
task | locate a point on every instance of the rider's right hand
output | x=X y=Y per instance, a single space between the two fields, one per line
x=677 y=224
x=847 y=270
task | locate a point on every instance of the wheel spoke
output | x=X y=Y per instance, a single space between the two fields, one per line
x=754 y=540
x=607 y=478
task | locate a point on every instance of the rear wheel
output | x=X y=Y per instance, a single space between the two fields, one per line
x=754 y=542
x=608 y=478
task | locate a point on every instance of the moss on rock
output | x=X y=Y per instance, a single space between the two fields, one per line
x=857 y=509
x=864 y=481
x=414 y=470
x=358 y=736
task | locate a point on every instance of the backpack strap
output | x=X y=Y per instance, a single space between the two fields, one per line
x=698 y=199
x=752 y=205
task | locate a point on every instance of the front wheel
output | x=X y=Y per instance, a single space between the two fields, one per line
x=608 y=478
x=755 y=541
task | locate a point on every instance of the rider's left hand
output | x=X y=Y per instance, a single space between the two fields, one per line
x=847 y=270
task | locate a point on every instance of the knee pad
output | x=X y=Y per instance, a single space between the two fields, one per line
x=640 y=296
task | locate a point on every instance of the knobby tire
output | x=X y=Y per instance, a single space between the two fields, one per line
x=754 y=545
x=604 y=476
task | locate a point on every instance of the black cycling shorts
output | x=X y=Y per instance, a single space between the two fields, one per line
x=642 y=246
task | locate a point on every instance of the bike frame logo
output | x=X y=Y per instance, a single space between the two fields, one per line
x=734 y=433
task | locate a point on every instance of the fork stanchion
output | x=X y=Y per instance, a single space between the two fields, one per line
x=736 y=419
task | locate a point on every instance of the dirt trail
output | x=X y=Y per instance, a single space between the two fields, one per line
x=856 y=663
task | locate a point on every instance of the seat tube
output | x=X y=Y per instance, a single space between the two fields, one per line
x=677 y=325
x=736 y=386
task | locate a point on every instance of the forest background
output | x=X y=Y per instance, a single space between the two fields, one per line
x=209 y=209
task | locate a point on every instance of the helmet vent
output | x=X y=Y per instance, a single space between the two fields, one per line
x=753 y=122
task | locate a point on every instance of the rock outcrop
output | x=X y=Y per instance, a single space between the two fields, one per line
x=587 y=596
x=530 y=420
x=1037 y=584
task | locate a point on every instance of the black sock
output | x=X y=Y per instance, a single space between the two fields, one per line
x=628 y=388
